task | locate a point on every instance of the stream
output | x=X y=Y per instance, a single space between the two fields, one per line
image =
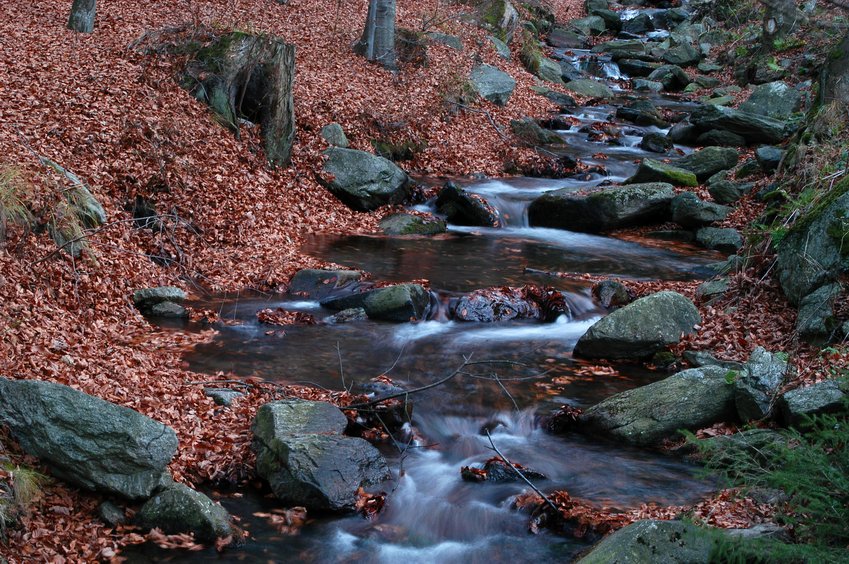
x=432 y=515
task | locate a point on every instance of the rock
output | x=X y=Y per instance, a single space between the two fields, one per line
x=762 y=444
x=776 y=100
x=334 y=135
x=111 y=515
x=672 y=77
x=709 y=67
x=590 y=25
x=612 y=294
x=813 y=253
x=548 y=70
x=500 y=17
x=501 y=48
x=725 y=192
x=769 y=158
x=755 y=387
x=463 y=208
x=492 y=84
x=622 y=49
x=590 y=88
x=602 y=209
x=641 y=328
x=647 y=415
x=656 y=143
x=753 y=128
x=651 y=170
x=409 y=224
x=87 y=441
x=683 y=54
x=711 y=289
x=823 y=397
x=647 y=85
x=306 y=460
x=222 y=396
x=707 y=81
x=489 y=306
x=363 y=181
x=697 y=359
x=497 y=471
x=638 y=25
x=180 y=509
x=667 y=542
x=318 y=284
x=529 y=131
x=169 y=310
x=691 y=212
x=563 y=38
x=749 y=167
x=642 y=112
x=726 y=240
x=348 y=300
x=448 y=40
x=708 y=161
x=637 y=68
x=397 y=303
x=349 y=315
x=611 y=19
x=564 y=102
x=720 y=138
x=146 y=298
x=816 y=322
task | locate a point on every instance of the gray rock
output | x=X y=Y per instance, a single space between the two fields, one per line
x=563 y=101
x=639 y=24
x=146 y=298
x=448 y=40
x=500 y=17
x=492 y=84
x=749 y=167
x=647 y=415
x=776 y=100
x=753 y=128
x=816 y=322
x=529 y=131
x=349 y=315
x=656 y=143
x=725 y=192
x=170 y=310
x=222 y=396
x=691 y=212
x=590 y=25
x=726 y=240
x=762 y=444
x=548 y=70
x=563 y=38
x=590 y=88
x=622 y=49
x=814 y=251
x=353 y=300
x=708 y=67
x=464 y=208
x=637 y=67
x=641 y=328
x=334 y=135
x=363 y=181
x=708 y=161
x=651 y=170
x=666 y=542
x=611 y=294
x=823 y=397
x=720 y=138
x=293 y=417
x=397 y=303
x=683 y=54
x=712 y=289
x=672 y=77
x=769 y=157
x=409 y=224
x=647 y=85
x=180 y=509
x=87 y=441
x=697 y=359
x=756 y=387
x=611 y=19
x=317 y=284
x=501 y=48
x=111 y=514
x=642 y=112
x=602 y=209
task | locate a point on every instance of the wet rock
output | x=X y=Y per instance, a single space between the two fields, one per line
x=169 y=310
x=409 y=224
x=622 y=49
x=726 y=240
x=756 y=387
x=563 y=38
x=492 y=84
x=349 y=315
x=673 y=77
x=111 y=515
x=334 y=135
x=641 y=328
x=753 y=128
x=651 y=170
x=488 y=306
x=647 y=85
x=318 y=284
x=611 y=19
x=637 y=68
x=463 y=208
x=495 y=470
x=590 y=25
x=590 y=88
x=642 y=112
x=720 y=138
x=146 y=298
x=222 y=396
x=711 y=290
x=691 y=212
x=602 y=209
x=569 y=72
x=656 y=143
x=563 y=101
x=683 y=132
x=363 y=181
x=529 y=131
x=612 y=294
x=180 y=509
x=670 y=542
x=639 y=24
x=816 y=322
x=776 y=100
x=768 y=157
x=294 y=417
x=647 y=415
x=823 y=397
x=87 y=441
x=397 y=303
x=354 y=299
x=708 y=161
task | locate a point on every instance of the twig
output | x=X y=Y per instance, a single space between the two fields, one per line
x=487 y=114
x=519 y=473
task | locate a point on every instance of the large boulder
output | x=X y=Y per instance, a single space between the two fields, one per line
x=814 y=252
x=318 y=284
x=642 y=112
x=637 y=67
x=641 y=328
x=667 y=542
x=306 y=462
x=769 y=158
x=363 y=181
x=823 y=397
x=651 y=170
x=397 y=303
x=603 y=209
x=672 y=77
x=756 y=386
x=590 y=88
x=590 y=25
x=816 y=322
x=689 y=211
x=464 y=208
x=776 y=100
x=647 y=415
x=683 y=55
x=87 y=441
x=180 y=509
x=751 y=127
x=563 y=38
x=409 y=224
x=708 y=161
x=529 y=131
x=727 y=240
x=622 y=49
x=492 y=84
x=500 y=17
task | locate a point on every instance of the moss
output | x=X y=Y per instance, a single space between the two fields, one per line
x=530 y=55
x=398 y=151
x=827 y=200
x=491 y=16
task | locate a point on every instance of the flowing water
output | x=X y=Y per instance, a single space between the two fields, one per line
x=431 y=514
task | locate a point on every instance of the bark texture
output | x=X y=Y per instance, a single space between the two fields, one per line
x=82 y=16
x=378 y=40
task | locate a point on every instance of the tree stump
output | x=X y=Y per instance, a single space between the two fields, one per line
x=82 y=16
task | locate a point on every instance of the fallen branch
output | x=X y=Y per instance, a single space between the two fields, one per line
x=520 y=474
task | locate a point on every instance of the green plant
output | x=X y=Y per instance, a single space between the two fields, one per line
x=19 y=488
x=14 y=191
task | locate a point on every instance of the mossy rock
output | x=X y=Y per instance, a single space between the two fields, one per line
x=655 y=171
x=408 y=224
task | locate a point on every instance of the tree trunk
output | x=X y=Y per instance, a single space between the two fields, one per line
x=780 y=18
x=82 y=16
x=378 y=40
x=278 y=117
x=834 y=81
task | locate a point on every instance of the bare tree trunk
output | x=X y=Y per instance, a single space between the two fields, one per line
x=82 y=16
x=780 y=18
x=278 y=117
x=378 y=40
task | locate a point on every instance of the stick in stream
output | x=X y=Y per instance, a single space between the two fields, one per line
x=519 y=473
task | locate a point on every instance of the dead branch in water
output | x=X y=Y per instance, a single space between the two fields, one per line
x=520 y=474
